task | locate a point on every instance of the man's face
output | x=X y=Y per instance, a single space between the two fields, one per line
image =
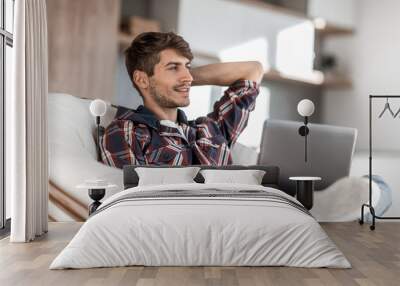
x=170 y=84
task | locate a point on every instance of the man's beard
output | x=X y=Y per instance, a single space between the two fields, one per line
x=162 y=99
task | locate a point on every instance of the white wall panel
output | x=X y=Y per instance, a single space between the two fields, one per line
x=230 y=24
x=340 y=12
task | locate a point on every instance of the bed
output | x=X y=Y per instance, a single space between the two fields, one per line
x=201 y=224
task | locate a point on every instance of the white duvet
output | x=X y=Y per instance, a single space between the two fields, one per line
x=200 y=231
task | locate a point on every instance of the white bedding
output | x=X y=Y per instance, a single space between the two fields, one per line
x=182 y=231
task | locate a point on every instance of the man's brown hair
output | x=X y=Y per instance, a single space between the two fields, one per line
x=144 y=52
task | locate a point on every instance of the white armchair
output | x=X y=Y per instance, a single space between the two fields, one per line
x=73 y=157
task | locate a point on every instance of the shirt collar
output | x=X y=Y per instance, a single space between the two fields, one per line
x=145 y=116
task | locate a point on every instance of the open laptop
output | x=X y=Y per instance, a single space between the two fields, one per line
x=330 y=150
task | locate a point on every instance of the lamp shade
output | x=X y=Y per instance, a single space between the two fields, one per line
x=98 y=107
x=305 y=107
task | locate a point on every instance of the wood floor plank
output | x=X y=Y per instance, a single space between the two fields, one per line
x=375 y=258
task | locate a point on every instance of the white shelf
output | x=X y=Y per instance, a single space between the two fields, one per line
x=328 y=29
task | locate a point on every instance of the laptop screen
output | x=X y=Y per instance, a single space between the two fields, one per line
x=330 y=150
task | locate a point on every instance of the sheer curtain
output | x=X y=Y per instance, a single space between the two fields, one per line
x=26 y=124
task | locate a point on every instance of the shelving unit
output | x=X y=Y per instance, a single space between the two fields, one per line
x=276 y=76
x=333 y=30
x=326 y=81
x=273 y=75
x=275 y=8
x=327 y=29
x=331 y=81
x=336 y=82
x=323 y=29
x=124 y=40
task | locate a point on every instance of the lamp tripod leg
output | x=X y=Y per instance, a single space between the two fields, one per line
x=361 y=220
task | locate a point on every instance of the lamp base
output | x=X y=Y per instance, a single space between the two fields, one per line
x=96 y=195
x=303 y=130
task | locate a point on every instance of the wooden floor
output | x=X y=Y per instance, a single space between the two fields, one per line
x=374 y=255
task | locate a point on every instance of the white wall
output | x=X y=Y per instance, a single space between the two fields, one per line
x=212 y=26
x=166 y=12
x=194 y=20
x=339 y=12
x=227 y=29
x=126 y=95
x=372 y=58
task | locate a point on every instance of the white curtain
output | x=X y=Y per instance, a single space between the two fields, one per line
x=26 y=123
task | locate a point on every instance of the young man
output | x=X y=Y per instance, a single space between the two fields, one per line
x=158 y=133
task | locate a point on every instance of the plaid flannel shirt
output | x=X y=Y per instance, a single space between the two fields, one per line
x=136 y=137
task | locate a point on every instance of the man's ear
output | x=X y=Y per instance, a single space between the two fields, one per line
x=141 y=79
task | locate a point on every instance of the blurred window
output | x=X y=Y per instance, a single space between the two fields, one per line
x=6 y=60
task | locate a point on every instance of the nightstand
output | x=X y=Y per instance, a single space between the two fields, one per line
x=96 y=190
x=305 y=190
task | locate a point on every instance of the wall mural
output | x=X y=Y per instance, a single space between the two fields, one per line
x=95 y=68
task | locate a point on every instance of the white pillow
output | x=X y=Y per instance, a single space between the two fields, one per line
x=244 y=155
x=163 y=176
x=248 y=177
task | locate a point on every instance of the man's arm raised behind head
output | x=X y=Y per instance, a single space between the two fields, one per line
x=225 y=74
